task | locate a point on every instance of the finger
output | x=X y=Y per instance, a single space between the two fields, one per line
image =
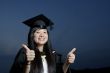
x=32 y=52
x=25 y=47
x=73 y=50
x=30 y=58
x=71 y=55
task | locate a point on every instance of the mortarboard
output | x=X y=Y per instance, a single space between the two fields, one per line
x=39 y=21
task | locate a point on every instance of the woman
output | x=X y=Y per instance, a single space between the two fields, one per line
x=38 y=56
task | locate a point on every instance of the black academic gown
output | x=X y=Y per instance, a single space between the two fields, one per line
x=20 y=60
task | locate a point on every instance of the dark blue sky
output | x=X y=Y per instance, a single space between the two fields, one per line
x=84 y=24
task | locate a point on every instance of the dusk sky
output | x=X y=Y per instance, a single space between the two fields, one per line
x=84 y=24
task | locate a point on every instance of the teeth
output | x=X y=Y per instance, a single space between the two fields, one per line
x=41 y=38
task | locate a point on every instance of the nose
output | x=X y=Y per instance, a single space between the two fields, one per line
x=41 y=35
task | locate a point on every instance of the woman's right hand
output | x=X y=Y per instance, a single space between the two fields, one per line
x=30 y=54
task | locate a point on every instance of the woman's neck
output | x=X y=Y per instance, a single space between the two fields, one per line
x=40 y=47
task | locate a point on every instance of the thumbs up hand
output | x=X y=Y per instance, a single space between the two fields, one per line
x=71 y=56
x=30 y=54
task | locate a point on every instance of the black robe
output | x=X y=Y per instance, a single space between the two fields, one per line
x=20 y=60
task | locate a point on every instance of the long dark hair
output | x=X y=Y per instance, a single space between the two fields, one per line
x=36 y=65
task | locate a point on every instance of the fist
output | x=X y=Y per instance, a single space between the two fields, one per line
x=71 y=56
x=30 y=54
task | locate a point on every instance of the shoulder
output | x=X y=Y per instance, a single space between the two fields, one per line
x=20 y=56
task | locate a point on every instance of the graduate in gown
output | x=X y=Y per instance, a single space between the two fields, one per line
x=38 y=56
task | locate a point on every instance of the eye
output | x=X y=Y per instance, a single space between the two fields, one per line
x=37 y=32
x=45 y=32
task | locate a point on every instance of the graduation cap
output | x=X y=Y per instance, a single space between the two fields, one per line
x=39 y=21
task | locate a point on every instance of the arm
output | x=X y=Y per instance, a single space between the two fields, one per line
x=65 y=67
x=22 y=62
x=27 y=67
x=30 y=55
x=70 y=59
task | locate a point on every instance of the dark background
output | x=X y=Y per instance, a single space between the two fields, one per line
x=84 y=24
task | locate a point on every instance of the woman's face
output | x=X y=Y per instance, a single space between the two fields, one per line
x=41 y=36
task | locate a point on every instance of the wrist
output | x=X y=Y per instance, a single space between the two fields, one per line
x=28 y=63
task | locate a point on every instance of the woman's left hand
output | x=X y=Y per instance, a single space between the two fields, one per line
x=70 y=59
x=71 y=56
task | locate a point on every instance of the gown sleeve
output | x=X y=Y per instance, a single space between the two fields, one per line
x=59 y=68
x=19 y=62
x=59 y=64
